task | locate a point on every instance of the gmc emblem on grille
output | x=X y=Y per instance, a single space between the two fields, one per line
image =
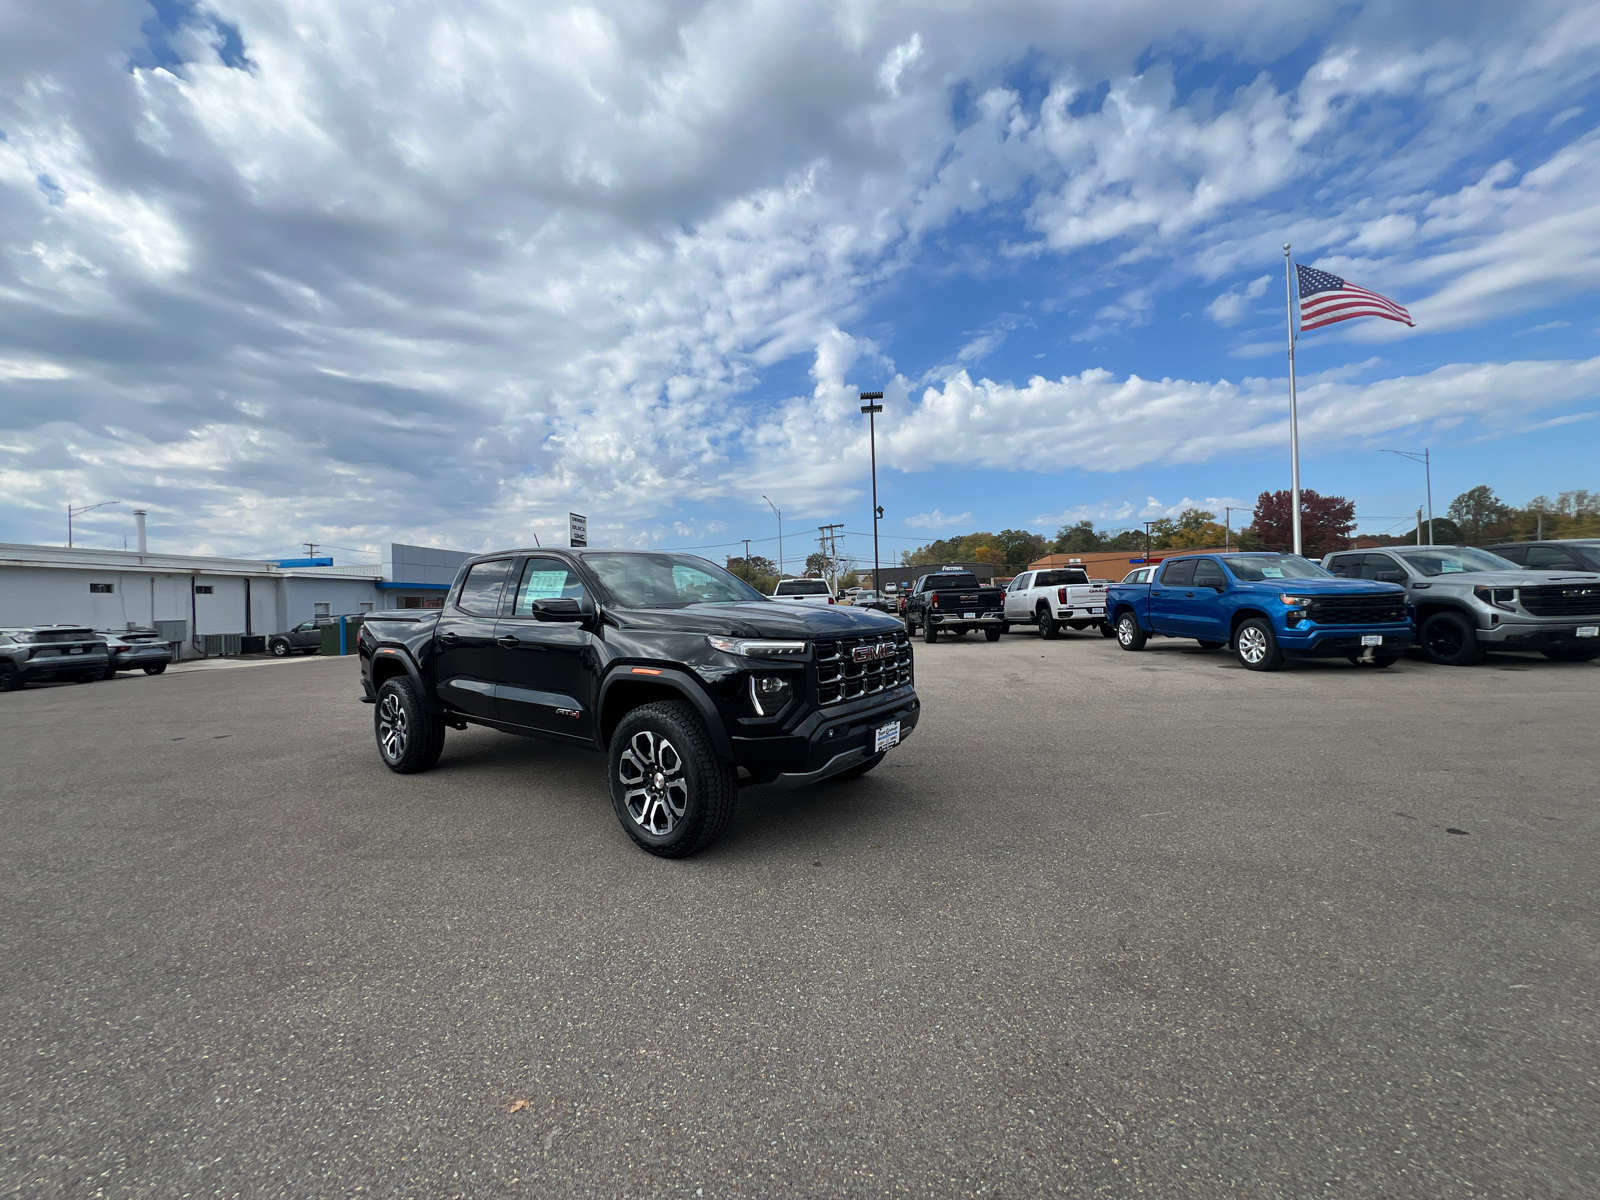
x=872 y=653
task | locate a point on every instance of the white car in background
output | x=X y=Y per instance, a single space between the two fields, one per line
x=804 y=591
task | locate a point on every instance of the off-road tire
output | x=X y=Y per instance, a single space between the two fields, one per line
x=1584 y=655
x=155 y=670
x=1129 y=635
x=1049 y=627
x=1449 y=639
x=1379 y=660
x=1256 y=646
x=278 y=648
x=11 y=679
x=418 y=733
x=860 y=769
x=930 y=633
x=992 y=633
x=710 y=786
x=1209 y=645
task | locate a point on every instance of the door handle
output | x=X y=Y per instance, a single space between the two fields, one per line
x=449 y=638
x=508 y=641
x=1189 y=594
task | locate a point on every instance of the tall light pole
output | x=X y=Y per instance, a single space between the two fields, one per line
x=1427 y=474
x=779 y=511
x=78 y=512
x=872 y=410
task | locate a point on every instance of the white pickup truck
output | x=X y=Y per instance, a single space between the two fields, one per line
x=804 y=591
x=1056 y=597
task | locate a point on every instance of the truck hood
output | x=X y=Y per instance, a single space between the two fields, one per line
x=1325 y=587
x=754 y=618
x=1520 y=578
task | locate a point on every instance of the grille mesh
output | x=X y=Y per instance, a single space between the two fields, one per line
x=1358 y=610
x=840 y=677
x=1573 y=600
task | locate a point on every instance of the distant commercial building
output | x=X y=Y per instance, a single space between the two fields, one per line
x=901 y=578
x=189 y=597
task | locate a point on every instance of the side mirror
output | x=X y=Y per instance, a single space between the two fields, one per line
x=1220 y=587
x=560 y=608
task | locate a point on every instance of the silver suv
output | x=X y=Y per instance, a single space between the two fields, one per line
x=50 y=652
x=1469 y=600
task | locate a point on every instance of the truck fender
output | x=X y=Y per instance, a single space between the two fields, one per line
x=670 y=679
x=389 y=653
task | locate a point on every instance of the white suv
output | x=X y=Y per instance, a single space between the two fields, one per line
x=804 y=591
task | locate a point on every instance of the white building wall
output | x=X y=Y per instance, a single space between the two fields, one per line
x=344 y=597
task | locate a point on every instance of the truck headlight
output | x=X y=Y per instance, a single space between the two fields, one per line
x=1505 y=598
x=1295 y=601
x=757 y=647
x=769 y=693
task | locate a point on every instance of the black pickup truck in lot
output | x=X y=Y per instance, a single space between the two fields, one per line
x=688 y=679
x=955 y=602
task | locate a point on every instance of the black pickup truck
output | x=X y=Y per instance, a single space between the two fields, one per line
x=691 y=681
x=955 y=602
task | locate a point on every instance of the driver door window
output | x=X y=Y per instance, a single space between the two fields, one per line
x=545 y=579
x=1208 y=575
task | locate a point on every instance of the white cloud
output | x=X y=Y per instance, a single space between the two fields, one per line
x=937 y=520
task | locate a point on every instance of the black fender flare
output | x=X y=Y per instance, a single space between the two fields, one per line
x=395 y=653
x=676 y=680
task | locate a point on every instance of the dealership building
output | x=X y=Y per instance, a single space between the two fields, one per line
x=204 y=603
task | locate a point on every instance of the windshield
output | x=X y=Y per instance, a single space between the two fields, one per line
x=1454 y=560
x=1257 y=568
x=667 y=580
x=802 y=587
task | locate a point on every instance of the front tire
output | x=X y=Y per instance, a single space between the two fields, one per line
x=410 y=737
x=911 y=627
x=1448 y=639
x=279 y=649
x=11 y=679
x=671 y=792
x=1129 y=635
x=1208 y=645
x=930 y=633
x=1584 y=655
x=1257 y=646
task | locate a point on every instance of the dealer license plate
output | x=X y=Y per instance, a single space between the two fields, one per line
x=75 y=650
x=885 y=736
x=1097 y=612
x=968 y=616
x=1589 y=630
x=1372 y=639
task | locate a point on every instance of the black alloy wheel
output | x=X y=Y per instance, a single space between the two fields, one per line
x=155 y=670
x=1587 y=654
x=1049 y=627
x=410 y=736
x=1449 y=639
x=671 y=792
x=1129 y=635
x=1257 y=646
x=10 y=678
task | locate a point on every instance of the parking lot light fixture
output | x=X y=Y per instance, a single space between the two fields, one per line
x=79 y=511
x=872 y=408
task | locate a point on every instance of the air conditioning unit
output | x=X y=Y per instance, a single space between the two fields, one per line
x=223 y=644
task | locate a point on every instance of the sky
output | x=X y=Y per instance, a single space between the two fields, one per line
x=283 y=271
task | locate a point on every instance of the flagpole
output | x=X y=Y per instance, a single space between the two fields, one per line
x=1294 y=415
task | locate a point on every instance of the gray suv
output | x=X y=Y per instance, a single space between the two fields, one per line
x=305 y=637
x=48 y=653
x=1469 y=600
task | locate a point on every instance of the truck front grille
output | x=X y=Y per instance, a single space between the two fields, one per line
x=851 y=668
x=1359 y=610
x=1569 y=600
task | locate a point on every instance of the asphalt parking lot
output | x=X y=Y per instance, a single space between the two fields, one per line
x=1106 y=925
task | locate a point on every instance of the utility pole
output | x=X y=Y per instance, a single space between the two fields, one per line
x=775 y=509
x=829 y=541
x=1227 y=528
x=311 y=549
x=79 y=511
x=746 y=542
x=872 y=409
x=1427 y=474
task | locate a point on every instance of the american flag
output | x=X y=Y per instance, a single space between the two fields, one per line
x=1326 y=299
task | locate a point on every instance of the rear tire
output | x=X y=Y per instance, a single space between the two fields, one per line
x=1584 y=655
x=671 y=792
x=410 y=736
x=155 y=670
x=1049 y=627
x=1448 y=639
x=1257 y=646
x=993 y=633
x=1106 y=630
x=1380 y=661
x=1129 y=635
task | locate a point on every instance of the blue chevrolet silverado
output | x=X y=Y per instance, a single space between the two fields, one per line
x=1267 y=607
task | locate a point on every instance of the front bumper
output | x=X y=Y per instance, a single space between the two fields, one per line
x=827 y=741
x=1342 y=641
x=1544 y=635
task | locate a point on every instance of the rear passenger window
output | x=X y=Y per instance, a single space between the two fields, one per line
x=1548 y=558
x=480 y=594
x=1179 y=573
